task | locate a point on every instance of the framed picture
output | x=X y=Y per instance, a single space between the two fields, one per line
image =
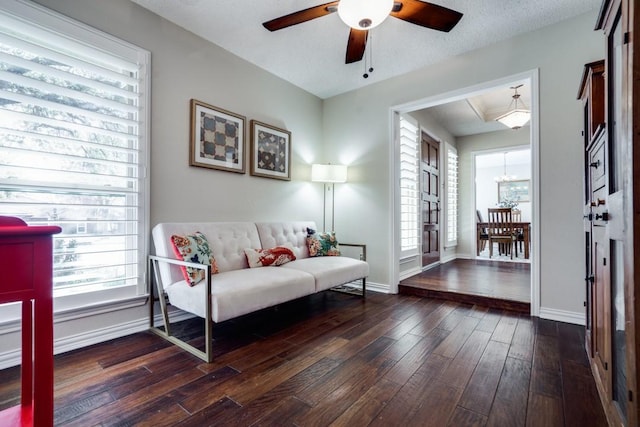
x=217 y=138
x=517 y=191
x=270 y=151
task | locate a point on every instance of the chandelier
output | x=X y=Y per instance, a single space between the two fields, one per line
x=504 y=177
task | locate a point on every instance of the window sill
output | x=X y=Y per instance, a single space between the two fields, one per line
x=72 y=307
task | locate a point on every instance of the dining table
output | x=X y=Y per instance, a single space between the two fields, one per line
x=520 y=227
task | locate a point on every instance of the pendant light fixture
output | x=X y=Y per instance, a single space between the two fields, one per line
x=364 y=14
x=504 y=177
x=517 y=115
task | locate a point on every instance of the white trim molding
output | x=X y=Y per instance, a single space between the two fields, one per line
x=562 y=316
x=378 y=287
x=394 y=226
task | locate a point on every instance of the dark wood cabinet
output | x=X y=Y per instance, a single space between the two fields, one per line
x=591 y=94
x=609 y=93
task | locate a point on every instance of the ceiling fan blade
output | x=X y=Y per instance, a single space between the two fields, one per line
x=427 y=15
x=356 y=45
x=301 y=16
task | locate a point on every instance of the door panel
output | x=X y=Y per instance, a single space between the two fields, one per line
x=598 y=180
x=430 y=195
x=601 y=298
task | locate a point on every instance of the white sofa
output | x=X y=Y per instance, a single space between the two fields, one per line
x=238 y=289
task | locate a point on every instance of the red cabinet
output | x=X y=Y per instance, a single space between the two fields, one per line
x=26 y=265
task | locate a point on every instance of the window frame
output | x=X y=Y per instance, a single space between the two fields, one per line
x=42 y=21
x=447 y=218
x=415 y=250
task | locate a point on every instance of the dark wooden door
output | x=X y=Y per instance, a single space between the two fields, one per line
x=430 y=190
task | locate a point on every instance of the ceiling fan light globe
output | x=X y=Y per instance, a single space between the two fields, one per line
x=364 y=14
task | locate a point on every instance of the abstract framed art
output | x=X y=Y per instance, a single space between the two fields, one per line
x=270 y=151
x=217 y=138
x=517 y=190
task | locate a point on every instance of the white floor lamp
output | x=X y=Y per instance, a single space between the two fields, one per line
x=328 y=174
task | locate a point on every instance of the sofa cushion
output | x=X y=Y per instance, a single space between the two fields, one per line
x=322 y=244
x=238 y=292
x=330 y=271
x=273 y=257
x=193 y=248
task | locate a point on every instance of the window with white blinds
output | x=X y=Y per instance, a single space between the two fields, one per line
x=452 y=196
x=409 y=187
x=73 y=148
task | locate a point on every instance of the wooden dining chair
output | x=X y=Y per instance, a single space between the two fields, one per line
x=500 y=230
x=517 y=217
x=482 y=236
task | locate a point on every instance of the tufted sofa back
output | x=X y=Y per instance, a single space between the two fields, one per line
x=228 y=240
x=276 y=233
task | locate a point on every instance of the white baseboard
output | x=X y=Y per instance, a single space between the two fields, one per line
x=449 y=258
x=409 y=273
x=562 y=316
x=378 y=287
x=465 y=256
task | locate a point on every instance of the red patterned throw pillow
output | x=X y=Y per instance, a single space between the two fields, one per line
x=270 y=257
x=194 y=248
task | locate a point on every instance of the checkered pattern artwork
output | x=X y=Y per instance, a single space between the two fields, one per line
x=218 y=138
x=272 y=152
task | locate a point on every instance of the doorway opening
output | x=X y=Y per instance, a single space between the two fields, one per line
x=502 y=179
x=434 y=114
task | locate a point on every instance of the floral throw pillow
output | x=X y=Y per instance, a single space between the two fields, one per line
x=322 y=244
x=194 y=248
x=270 y=257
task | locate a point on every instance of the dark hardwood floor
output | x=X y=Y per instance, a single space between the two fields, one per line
x=335 y=359
x=504 y=285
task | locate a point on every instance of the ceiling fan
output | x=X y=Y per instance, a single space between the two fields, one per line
x=362 y=15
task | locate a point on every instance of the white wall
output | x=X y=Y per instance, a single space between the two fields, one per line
x=183 y=67
x=361 y=119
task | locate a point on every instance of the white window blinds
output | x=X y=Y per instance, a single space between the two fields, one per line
x=73 y=147
x=409 y=187
x=452 y=196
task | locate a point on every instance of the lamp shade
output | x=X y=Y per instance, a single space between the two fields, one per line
x=328 y=173
x=364 y=14
x=515 y=119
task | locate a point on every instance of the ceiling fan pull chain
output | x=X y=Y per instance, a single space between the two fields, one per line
x=368 y=47
x=371 y=52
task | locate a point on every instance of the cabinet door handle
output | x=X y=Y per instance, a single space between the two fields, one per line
x=604 y=216
x=595 y=164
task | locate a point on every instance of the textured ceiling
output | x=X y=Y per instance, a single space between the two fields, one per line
x=477 y=114
x=311 y=55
